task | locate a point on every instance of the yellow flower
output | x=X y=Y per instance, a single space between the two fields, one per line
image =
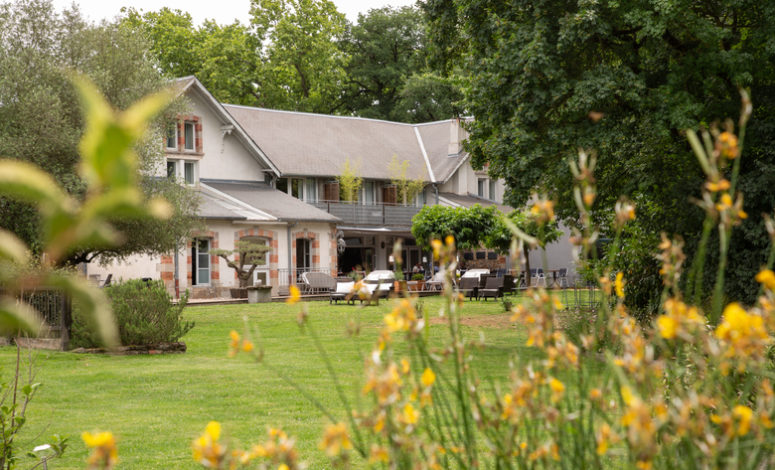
x=105 y=453
x=727 y=145
x=436 y=245
x=743 y=414
x=744 y=332
x=543 y=211
x=428 y=377
x=404 y=366
x=206 y=449
x=247 y=345
x=283 y=467
x=335 y=439
x=409 y=415
x=668 y=326
x=767 y=279
x=378 y=454
x=605 y=436
x=558 y=388
x=449 y=240
x=295 y=295
x=619 y=284
x=722 y=185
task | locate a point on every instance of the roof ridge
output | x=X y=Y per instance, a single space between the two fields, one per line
x=355 y=118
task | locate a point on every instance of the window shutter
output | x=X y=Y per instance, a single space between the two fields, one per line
x=331 y=191
x=389 y=194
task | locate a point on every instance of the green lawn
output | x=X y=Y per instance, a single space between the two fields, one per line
x=157 y=404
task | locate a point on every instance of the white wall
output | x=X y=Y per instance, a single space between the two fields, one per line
x=135 y=267
x=224 y=156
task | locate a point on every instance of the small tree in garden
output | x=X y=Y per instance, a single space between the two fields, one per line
x=250 y=255
x=350 y=181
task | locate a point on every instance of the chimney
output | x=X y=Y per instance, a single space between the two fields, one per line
x=455 y=137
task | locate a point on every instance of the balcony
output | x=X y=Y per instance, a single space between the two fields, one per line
x=360 y=215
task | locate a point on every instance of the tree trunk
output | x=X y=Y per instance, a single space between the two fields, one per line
x=528 y=277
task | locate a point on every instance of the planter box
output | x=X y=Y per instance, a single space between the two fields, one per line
x=239 y=293
x=259 y=294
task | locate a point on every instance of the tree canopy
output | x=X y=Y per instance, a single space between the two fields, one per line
x=41 y=122
x=544 y=78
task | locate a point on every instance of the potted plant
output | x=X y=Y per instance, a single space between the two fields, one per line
x=419 y=281
x=251 y=254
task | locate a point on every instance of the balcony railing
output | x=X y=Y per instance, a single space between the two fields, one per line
x=370 y=214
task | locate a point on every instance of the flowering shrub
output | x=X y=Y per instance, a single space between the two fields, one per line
x=688 y=390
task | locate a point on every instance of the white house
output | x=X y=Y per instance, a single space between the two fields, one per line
x=270 y=176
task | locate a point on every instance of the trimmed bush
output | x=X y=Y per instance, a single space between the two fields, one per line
x=144 y=314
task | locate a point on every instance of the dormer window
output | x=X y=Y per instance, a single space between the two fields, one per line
x=184 y=135
x=189 y=132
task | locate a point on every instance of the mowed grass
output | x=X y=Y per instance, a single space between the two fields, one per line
x=156 y=405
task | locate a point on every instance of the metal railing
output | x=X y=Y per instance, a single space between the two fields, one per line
x=370 y=214
x=291 y=277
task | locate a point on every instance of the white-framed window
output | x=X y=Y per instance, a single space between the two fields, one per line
x=171 y=142
x=311 y=190
x=491 y=194
x=189 y=172
x=172 y=169
x=200 y=262
x=189 y=136
x=480 y=187
x=303 y=254
x=369 y=194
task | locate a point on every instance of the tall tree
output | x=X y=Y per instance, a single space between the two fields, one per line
x=302 y=67
x=387 y=74
x=543 y=78
x=40 y=118
x=385 y=48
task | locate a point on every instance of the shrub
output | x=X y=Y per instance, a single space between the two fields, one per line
x=144 y=314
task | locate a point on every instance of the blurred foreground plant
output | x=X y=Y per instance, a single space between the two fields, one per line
x=109 y=167
x=686 y=391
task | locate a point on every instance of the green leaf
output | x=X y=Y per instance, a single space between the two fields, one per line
x=93 y=303
x=29 y=183
x=13 y=249
x=16 y=317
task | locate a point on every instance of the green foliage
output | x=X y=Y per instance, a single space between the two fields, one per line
x=406 y=189
x=350 y=181
x=469 y=226
x=144 y=313
x=40 y=122
x=545 y=78
x=302 y=67
x=251 y=254
x=426 y=97
x=500 y=236
x=107 y=168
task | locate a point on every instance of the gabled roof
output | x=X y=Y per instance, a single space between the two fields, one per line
x=266 y=202
x=319 y=145
x=193 y=85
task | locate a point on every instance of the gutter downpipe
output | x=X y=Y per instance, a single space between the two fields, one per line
x=290 y=254
x=177 y=267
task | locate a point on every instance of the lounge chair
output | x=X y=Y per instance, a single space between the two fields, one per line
x=319 y=283
x=493 y=288
x=343 y=291
x=469 y=287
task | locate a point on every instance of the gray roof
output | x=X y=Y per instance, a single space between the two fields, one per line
x=458 y=200
x=269 y=201
x=319 y=145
